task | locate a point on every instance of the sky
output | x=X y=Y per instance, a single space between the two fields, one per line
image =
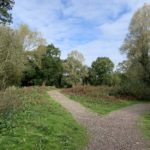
x=96 y=28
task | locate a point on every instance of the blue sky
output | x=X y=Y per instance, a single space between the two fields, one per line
x=96 y=28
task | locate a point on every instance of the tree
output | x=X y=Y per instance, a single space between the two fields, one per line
x=11 y=57
x=76 y=56
x=101 y=71
x=34 y=49
x=74 y=69
x=52 y=66
x=136 y=47
x=38 y=55
x=44 y=67
x=31 y=40
x=5 y=7
x=32 y=74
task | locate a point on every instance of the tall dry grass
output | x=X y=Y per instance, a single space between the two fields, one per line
x=96 y=92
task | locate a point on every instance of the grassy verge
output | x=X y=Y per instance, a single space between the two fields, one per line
x=97 y=99
x=102 y=106
x=144 y=124
x=34 y=121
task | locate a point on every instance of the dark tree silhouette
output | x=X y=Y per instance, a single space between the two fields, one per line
x=5 y=7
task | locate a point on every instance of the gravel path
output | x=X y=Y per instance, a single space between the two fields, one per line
x=116 y=131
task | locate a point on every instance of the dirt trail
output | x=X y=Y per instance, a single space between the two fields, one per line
x=116 y=131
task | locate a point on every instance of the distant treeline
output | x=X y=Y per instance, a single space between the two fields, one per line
x=27 y=60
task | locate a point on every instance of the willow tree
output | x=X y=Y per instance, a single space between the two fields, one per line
x=74 y=69
x=137 y=48
x=31 y=40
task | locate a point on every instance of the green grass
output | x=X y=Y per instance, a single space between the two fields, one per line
x=144 y=124
x=40 y=124
x=102 y=106
x=97 y=98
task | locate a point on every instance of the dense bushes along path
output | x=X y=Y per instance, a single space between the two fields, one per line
x=116 y=131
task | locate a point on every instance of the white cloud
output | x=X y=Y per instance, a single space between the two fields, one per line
x=112 y=35
x=101 y=48
x=104 y=24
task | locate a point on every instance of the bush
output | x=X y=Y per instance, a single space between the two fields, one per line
x=97 y=92
x=135 y=89
x=10 y=103
x=11 y=57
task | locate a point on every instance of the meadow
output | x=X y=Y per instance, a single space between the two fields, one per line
x=30 y=119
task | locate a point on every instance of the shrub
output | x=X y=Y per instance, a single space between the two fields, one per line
x=134 y=89
x=10 y=103
x=97 y=92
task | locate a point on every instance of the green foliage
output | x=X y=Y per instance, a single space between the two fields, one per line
x=10 y=104
x=37 y=122
x=31 y=40
x=116 y=79
x=52 y=66
x=98 y=98
x=38 y=55
x=134 y=88
x=101 y=71
x=32 y=75
x=136 y=46
x=44 y=67
x=123 y=66
x=75 y=55
x=5 y=7
x=74 y=70
x=11 y=57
